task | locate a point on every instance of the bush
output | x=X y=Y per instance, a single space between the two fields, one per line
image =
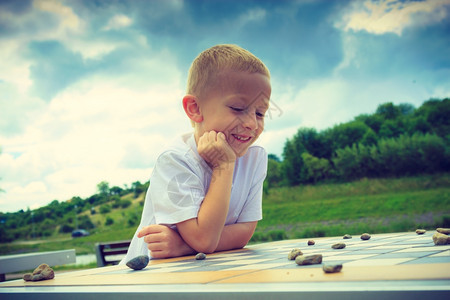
x=402 y=156
x=109 y=221
x=105 y=208
x=132 y=220
x=66 y=228
x=85 y=222
x=317 y=168
x=125 y=203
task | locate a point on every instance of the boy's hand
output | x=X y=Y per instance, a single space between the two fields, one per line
x=164 y=242
x=215 y=150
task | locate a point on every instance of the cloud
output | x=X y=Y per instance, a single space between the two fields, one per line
x=392 y=16
x=101 y=127
x=118 y=22
x=68 y=19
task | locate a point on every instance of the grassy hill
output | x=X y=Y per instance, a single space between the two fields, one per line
x=367 y=205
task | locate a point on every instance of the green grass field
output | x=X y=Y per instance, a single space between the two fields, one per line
x=367 y=205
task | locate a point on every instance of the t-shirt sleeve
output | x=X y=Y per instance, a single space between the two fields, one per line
x=176 y=190
x=252 y=210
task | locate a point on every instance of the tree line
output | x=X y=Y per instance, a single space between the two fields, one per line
x=64 y=216
x=396 y=140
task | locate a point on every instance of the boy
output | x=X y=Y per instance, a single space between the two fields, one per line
x=206 y=188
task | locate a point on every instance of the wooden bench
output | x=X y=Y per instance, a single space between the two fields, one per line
x=108 y=252
x=29 y=261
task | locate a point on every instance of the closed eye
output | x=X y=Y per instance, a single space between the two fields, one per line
x=237 y=109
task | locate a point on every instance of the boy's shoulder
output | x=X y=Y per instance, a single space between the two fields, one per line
x=182 y=147
x=255 y=151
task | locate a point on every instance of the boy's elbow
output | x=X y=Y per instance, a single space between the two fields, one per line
x=205 y=245
x=241 y=244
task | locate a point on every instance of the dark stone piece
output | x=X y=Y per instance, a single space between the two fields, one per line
x=200 y=256
x=294 y=253
x=441 y=239
x=365 y=236
x=311 y=242
x=347 y=236
x=338 y=246
x=308 y=260
x=139 y=262
x=332 y=268
x=443 y=230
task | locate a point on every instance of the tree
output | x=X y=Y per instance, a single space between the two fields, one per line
x=406 y=109
x=317 y=168
x=293 y=167
x=274 y=176
x=137 y=188
x=103 y=188
x=370 y=138
x=388 y=111
x=347 y=134
x=115 y=190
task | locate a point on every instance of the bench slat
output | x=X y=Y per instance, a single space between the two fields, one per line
x=105 y=250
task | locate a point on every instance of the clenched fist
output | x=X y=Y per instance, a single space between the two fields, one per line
x=215 y=150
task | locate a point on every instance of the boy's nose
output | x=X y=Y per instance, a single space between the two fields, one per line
x=250 y=121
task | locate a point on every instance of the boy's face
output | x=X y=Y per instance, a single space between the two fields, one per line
x=236 y=106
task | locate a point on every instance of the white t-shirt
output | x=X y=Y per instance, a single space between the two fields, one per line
x=180 y=181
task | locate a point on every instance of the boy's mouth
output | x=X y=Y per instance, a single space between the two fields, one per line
x=241 y=138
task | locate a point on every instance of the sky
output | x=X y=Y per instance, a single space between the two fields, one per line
x=91 y=91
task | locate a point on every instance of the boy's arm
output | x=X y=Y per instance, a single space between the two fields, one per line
x=204 y=232
x=236 y=235
x=164 y=242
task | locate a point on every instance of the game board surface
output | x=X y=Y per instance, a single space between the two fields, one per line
x=398 y=257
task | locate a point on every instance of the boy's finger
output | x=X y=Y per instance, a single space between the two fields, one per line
x=148 y=230
x=152 y=239
x=212 y=136
x=221 y=135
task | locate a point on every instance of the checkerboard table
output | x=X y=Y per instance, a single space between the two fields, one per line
x=388 y=266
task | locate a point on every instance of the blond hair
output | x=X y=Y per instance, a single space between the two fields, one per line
x=210 y=63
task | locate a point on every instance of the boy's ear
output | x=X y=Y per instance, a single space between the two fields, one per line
x=192 y=108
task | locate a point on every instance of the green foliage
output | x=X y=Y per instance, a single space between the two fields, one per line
x=345 y=135
x=103 y=188
x=105 y=208
x=85 y=222
x=66 y=228
x=133 y=220
x=125 y=203
x=397 y=140
x=317 y=168
x=274 y=173
x=272 y=235
x=293 y=167
x=109 y=221
x=388 y=111
x=406 y=155
x=138 y=188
